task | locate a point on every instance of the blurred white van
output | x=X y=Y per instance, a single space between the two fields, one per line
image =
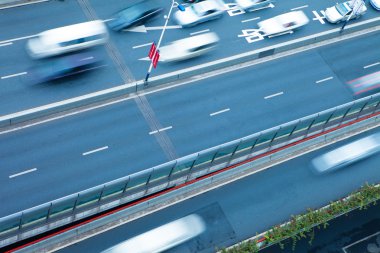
x=67 y=39
x=347 y=154
x=163 y=237
x=187 y=48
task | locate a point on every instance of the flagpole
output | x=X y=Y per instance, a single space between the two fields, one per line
x=162 y=35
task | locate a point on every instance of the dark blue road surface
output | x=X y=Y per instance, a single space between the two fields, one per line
x=17 y=94
x=251 y=205
x=257 y=98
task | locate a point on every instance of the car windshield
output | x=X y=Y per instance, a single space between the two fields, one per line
x=342 y=9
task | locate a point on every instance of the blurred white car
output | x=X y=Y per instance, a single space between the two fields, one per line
x=283 y=23
x=375 y=4
x=200 y=12
x=347 y=154
x=189 y=47
x=341 y=11
x=250 y=5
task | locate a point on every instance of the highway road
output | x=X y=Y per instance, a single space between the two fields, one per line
x=251 y=205
x=80 y=151
x=124 y=54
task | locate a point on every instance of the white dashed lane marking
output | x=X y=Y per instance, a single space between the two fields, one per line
x=14 y=75
x=324 y=80
x=22 y=173
x=203 y=31
x=371 y=65
x=301 y=7
x=95 y=150
x=252 y=19
x=219 y=112
x=6 y=44
x=161 y=130
x=274 y=95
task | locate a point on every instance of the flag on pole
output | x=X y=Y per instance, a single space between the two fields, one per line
x=152 y=50
x=155 y=58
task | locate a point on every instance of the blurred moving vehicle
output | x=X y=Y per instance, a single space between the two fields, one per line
x=67 y=39
x=163 y=237
x=200 y=12
x=283 y=23
x=375 y=4
x=342 y=11
x=347 y=154
x=63 y=67
x=134 y=15
x=365 y=85
x=251 y=5
x=189 y=47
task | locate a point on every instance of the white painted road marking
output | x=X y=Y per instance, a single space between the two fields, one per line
x=219 y=112
x=6 y=44
x=15 y=39
x=371 y=65
x=18 y=74
x=301 y=7
x=95 y=150
x=161 y=130
x=323 y=80
x=318 y=17
x=274 y=95
x=252 y=19
x=22 y=173
x=107 y=20
x=143 y=45
x=203 y=31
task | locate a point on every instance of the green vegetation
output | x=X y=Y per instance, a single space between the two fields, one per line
x=303 y=226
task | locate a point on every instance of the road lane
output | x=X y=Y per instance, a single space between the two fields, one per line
x=183 y=117
x=52 y=14
x=251 y=205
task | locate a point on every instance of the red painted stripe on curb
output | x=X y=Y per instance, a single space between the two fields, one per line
x=96 y=217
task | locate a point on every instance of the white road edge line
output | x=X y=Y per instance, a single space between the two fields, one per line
x=6 y=44
x=301 y=7
x=95 y=150
x=219 y=112
x=22 y=173
x=161 y=130
x=324 y=80
x=18 y=74
x=371 y=65
x=203 y=31
x=274 y=95
x=143 y=45
x=247 y=20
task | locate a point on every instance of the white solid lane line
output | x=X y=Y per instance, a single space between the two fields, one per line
x=219 y=112
x=161 y=130
x=13 y=75
x=301 y=7
x=143 y=45
x=6 y=44
x=203 y=31
x=95 y=150
x=324 y=80
x=22 y=173
x=274 y=95
x=247 y=20
x=371 y=65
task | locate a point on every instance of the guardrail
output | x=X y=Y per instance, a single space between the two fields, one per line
x=130 y=88
x=83 y=204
